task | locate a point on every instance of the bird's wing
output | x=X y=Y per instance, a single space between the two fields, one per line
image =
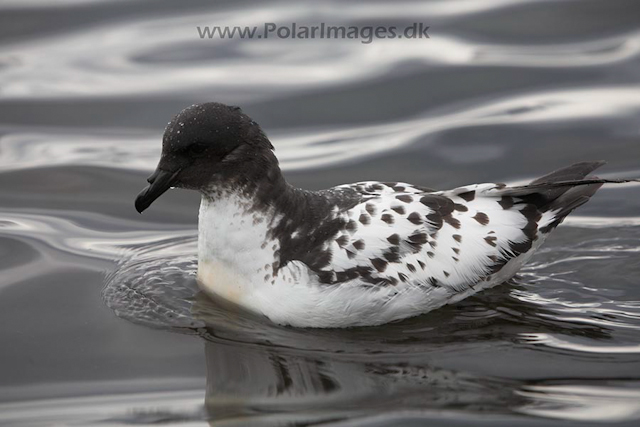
x=453 y=239
x=400 y=233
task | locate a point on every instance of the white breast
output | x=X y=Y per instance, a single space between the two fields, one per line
x=235 y=256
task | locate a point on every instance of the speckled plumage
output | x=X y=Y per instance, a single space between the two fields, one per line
x=357 y=254
x=371 y=252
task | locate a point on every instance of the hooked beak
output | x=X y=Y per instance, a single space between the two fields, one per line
x=159 y=182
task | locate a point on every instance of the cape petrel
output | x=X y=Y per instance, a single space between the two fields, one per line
x=356 y=254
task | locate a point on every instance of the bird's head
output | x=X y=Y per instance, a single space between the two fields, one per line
x=204 y=146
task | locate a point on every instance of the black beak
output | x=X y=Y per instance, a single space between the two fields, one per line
x=159 y=182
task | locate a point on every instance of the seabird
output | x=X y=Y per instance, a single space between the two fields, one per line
x=358 y=254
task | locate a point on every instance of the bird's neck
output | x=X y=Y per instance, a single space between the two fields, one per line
x=237 y=211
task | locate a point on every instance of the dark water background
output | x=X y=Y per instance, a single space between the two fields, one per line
x=503 y=91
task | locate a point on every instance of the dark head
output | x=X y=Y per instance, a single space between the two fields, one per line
x=209 y=145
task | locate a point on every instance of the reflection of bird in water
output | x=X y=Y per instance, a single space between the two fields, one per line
x=354 y=255
x=260 y=383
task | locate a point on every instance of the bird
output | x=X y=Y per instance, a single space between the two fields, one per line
x=361 y=254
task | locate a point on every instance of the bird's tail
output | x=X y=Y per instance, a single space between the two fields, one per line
x=563 y=190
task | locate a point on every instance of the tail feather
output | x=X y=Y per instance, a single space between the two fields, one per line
x=570 y=173
x=552 y=187
x=563 y=190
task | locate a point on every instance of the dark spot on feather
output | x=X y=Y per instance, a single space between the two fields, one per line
x=431 y=254
x=402 y=277
x=456 y=250
x=378 y=187
x=482 y=218
x=460 y=208
x=379 y=264
x=468 y=196
x=352 y=226
x=439 y=204
x=365 y=219
x=322 y=259
x=457 y=238
x=342 y=240
x=350 y=255
x=394 y=239
x=415 y=218
x=500 y=185
x=452 y=221
x=421 y=264
x=445 y=273
x=455 y=259
x=506 y=202
x=533 y=215
x=434 y=282
x=364 y=270
x=359 y=244
x=325 y=276
x=391 y=281
x=405 y=198
x=344 y=276
x=435 y=220
x=411 y=267
x=388 y=218
x=520 y=247
x=398 y=188
x=392 y=254
x=399 y=209
x=418 y=238
x=491 y=240
x=370 y=208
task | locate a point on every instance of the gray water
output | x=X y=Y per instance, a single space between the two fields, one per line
x=100 y=319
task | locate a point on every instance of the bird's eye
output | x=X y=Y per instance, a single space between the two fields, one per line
x=196 y=148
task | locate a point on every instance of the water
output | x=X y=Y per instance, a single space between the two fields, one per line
x=503 y=91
